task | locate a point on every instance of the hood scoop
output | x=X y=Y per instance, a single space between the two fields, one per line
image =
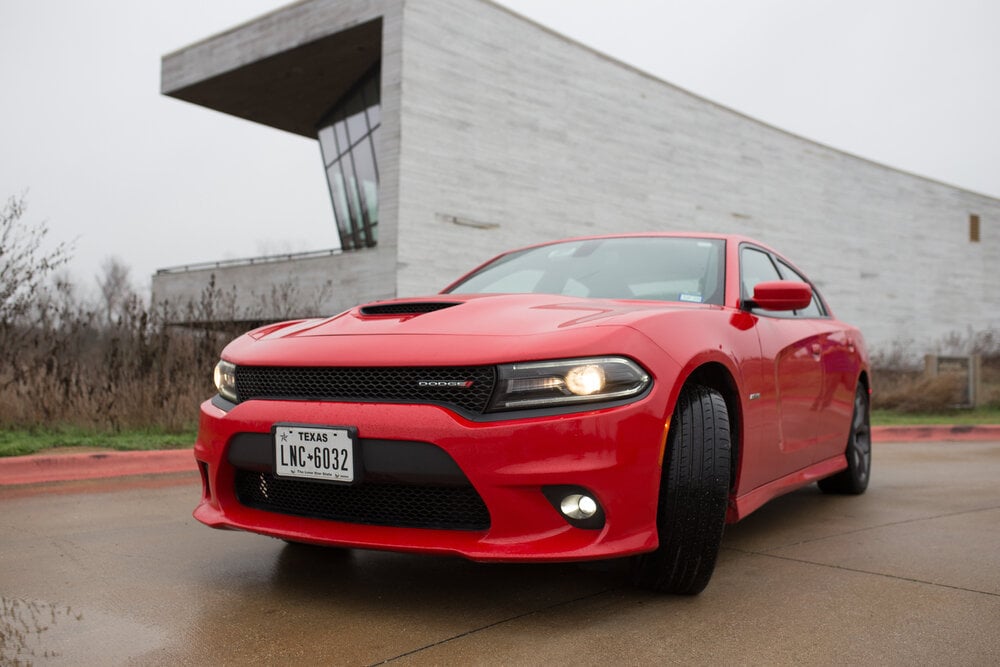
x=406 y=307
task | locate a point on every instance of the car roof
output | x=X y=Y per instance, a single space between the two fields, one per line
x=736 y=238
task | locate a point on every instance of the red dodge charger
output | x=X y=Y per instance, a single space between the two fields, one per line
x=589 y=398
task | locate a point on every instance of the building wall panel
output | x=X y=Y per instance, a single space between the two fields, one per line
x=526 y=136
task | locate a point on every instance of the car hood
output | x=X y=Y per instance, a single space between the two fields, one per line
x=461 y=330
x=473 y=315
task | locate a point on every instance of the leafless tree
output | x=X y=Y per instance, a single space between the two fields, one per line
x=116 y=288
x=25 y=265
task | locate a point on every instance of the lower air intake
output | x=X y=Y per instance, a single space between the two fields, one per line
x=398 y=505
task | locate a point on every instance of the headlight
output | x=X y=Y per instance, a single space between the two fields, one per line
x=225 y=380
x=542 y=384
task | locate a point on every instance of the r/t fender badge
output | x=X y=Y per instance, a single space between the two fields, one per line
x=754 y=396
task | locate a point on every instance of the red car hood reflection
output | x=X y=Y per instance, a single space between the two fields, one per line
x=476 y=315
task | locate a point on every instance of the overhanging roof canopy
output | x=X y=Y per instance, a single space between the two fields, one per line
x=290 y=90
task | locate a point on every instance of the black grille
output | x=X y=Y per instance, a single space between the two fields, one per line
x=467 y=388
x=414 y=308
x=400 y=505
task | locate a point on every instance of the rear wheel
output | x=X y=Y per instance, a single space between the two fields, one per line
x=854 y=480
x=694 y=492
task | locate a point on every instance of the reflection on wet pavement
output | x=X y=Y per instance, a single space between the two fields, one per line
x=25 y=627
x=314 y=604
x=34 y=632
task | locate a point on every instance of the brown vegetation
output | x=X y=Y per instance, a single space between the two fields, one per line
x=901 y=383
x=72 y=367
x=116 y=366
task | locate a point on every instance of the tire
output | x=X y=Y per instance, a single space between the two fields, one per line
x=694 y=493
x=854 y=480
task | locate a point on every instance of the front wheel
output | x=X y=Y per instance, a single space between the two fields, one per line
x=854 y=480
x=694 y=492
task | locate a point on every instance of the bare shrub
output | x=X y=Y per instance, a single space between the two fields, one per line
x=138 y=372
x=25 y=269
x=921 y=394
x=898 y=357
x=115 y=288
x=118 y=365
x=900 y=383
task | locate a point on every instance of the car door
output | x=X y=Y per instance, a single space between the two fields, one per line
x=838 y=364
x=791 y=354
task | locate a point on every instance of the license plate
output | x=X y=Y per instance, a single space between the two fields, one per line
x=320 y=453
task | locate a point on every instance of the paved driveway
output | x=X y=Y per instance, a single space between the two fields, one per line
x=113 y=572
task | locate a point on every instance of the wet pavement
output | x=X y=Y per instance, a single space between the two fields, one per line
x=117 y=572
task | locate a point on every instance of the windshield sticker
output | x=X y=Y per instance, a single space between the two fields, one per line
x=691 y=298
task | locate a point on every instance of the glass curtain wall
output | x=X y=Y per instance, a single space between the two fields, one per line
x=347 y=142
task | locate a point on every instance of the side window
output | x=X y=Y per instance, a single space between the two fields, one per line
x=755 y=267
x=814 y=309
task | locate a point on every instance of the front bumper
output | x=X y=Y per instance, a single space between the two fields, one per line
x=614 y=453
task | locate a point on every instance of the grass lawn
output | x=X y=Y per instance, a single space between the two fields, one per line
x=984 y=415
x=21 y=442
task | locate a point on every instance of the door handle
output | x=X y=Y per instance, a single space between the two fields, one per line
x=817 y=351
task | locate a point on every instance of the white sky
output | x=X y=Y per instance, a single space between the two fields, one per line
x=107 y=161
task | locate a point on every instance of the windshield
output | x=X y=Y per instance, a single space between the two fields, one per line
x=652 y=268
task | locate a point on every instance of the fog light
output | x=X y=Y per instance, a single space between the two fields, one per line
x=578 y=506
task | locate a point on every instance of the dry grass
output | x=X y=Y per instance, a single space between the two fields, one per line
x=71 y=368
x=906 y=393
x=118 y=365
x=901 y=385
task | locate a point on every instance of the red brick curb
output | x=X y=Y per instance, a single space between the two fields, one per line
x=17 y=470
x=942 y=433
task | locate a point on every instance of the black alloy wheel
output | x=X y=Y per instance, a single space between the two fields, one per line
x=854 y=480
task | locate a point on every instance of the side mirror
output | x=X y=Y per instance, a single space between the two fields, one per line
x=781 y=295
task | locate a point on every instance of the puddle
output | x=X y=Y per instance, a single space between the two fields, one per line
x=25 y=628
x=34 y=632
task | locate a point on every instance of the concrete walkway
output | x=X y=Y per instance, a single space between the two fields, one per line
x=109 y=572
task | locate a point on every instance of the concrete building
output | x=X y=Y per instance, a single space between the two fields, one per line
x=454 y=129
